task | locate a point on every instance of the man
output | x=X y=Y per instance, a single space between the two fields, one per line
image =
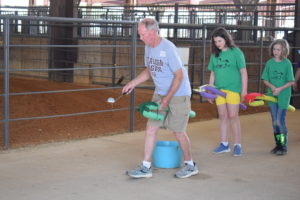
x=172 y=89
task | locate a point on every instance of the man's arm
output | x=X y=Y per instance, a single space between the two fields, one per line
x=142 y=77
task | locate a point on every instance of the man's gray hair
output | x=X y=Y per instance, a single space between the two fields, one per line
x=150 y=24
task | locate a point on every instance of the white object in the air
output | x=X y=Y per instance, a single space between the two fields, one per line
x=111 y=100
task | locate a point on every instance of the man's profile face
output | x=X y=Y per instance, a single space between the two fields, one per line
x=145 y=35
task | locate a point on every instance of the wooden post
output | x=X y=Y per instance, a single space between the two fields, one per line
x=62 y=34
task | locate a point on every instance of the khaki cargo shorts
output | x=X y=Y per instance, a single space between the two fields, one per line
x=177 y=117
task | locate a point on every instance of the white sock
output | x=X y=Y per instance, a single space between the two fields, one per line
x=189 y=162
x=146 y=164
x=238 y=145
x=225 y=144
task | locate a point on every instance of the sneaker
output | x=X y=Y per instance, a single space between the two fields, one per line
x=281 y=151
x=237 y=151
x=140 y=172
x=187 y=171
x=274 y=150
x=221 y=148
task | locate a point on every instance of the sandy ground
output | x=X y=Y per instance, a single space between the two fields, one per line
x=95 y=168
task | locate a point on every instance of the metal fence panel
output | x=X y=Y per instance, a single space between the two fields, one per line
x=102 y=60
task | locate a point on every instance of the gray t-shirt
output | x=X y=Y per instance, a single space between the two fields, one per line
x=162 y=62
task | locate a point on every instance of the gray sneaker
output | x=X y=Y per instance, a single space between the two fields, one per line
x=140 y=172
x=187 y=171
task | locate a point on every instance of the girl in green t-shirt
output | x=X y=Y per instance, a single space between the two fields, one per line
x=278 y=77
x=228 y=74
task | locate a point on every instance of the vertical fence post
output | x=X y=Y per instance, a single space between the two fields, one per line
x=255 y=23
x=114 y=51
x=133 y=73
x=261 y=46
x=193 y=36
x=203 y=55
x=192 y=71
x=6 y=79
x=175 y=22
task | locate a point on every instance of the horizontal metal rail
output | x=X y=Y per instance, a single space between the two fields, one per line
x=66 y=69
x=66 y=115
x=69 y=46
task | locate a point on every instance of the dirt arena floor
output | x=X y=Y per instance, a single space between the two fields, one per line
x=39 y=131
x=95 y=168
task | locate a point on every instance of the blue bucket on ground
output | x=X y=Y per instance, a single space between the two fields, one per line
x=167 y=154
